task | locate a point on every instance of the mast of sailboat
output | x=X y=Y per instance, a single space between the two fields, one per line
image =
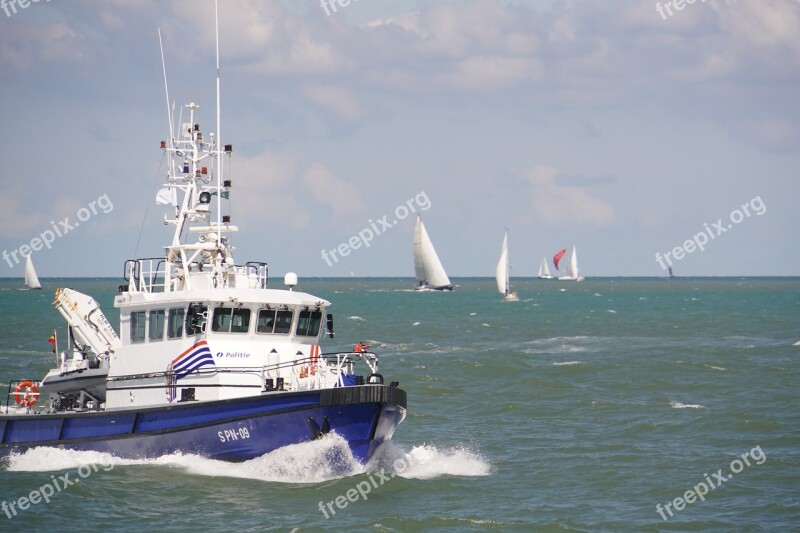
x=508 y=264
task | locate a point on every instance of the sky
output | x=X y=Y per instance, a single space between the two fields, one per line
x=628 y=129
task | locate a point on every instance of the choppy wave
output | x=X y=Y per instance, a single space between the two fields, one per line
x=679 y=405
x=567 y=363
x=427 y=461
x=308 y=462
x=55 y=459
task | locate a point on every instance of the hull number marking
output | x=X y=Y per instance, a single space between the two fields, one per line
x=233 y=434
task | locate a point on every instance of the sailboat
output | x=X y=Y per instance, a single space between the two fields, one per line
x=544 y=270
x=501 y=273
x=31 y=279
x=429 y=270
x=572 y=267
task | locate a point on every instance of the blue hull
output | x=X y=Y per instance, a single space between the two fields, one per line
x=230 y=430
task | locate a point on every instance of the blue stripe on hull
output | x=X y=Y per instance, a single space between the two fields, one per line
x=232 y=430
x=243 y=439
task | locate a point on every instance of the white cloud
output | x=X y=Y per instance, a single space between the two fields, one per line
x=337 y=100
x=558 y=204
x=16 y=219
x=341 y=197
x=26 y=46
x=265 y=37
x=287 y=188
x=493 y=72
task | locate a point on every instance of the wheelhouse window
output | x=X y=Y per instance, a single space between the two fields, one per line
x=231 y=320
x=283 y=322
x=157 y=325
x=274 y=321
x=196 y=317
x=308 y=323
x=175 y=323
x=266 y=321
x=138 y=323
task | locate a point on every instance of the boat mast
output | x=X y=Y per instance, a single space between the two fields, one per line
x=508 y=263
x=219 y=129
x=191 y=178
x=166 y=93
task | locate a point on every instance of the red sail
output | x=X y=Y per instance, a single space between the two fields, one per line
x=558 y=256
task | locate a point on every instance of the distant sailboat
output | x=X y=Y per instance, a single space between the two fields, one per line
x=572 y=267
x=429 y=270
x=501 y=273
x=31 y=279
x=544 y=270
x=671 y=274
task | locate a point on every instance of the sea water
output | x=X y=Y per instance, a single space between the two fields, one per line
x=605 y=405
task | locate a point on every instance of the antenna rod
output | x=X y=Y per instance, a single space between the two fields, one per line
x=220 y=146
x=166 y=92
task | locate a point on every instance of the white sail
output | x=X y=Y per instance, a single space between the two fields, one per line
x=31 y=279
x=427 y=267
x=501 y=272
x=572 y=267
x=573 y=274
x=544 y=270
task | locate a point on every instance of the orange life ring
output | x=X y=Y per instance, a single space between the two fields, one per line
x=26 y=394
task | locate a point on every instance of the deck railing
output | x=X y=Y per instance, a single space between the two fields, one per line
x=143 y=274
x=152 y=274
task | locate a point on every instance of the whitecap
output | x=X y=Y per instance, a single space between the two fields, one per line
x=427 y=461
x=307 y=462
x=679 y=405
x=44 y=459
